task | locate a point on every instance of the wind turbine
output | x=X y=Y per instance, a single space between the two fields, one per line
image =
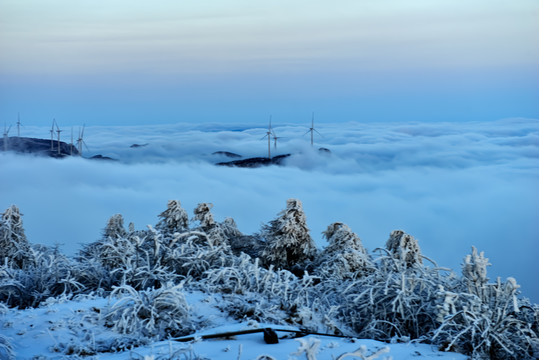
x=275 y=137
x=52 y=135
x=58 y=131
x=6 y=138
x=80 y=141
x=268 y=135
x=312 y=130
x=19 y=124
x=71 y=147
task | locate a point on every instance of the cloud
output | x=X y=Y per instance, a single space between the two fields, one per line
x=451 y=185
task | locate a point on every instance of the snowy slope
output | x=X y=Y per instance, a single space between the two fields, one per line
x=62 y=329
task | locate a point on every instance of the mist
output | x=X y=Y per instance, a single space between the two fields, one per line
x=450 y=185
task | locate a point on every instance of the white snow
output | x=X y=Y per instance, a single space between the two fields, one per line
x=48 y=332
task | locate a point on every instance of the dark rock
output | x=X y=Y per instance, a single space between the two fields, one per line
x=256 y=161
x=138 y=145
x=323 y=150
x=227 y=154
x=101 y=157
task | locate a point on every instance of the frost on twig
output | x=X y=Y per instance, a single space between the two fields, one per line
x=310 y=347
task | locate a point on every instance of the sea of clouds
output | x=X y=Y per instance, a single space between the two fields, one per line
x=450 y=185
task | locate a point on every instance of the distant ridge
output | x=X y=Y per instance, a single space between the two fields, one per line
x=42 y=147
x=255 y=162
x=227 y=154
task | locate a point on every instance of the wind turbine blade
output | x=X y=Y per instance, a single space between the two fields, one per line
x=308 y=131
x=318 y=132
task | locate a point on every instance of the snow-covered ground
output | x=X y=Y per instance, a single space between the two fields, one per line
x=63 y=327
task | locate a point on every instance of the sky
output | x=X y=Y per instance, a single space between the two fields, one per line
x=121 y=62
x=451 y=187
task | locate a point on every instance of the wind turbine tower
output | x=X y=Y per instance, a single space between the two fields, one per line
x=268 y=135
x=312 y=130
x=52 y=135
x=275 y=137
x=80 y=140
x=19 y=125
x=58 y=131
x=6 y=138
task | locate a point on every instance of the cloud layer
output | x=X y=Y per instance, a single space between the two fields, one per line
x=451 y=185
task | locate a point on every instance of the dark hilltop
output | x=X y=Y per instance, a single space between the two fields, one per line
x=42 y=147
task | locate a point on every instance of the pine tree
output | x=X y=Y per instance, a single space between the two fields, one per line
x=115 y=227
x=288 y=242
x=173 y=219
x=345 y=256
x=405 y=248
x=13 y=243
x=204 y=215
x=216 y=232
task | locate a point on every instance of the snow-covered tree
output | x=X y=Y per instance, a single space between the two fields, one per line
x=288 y=242
x=230 y=228
x=204 y=215
x=216 y=232
x=115 y=227
x=345 y=256
x=173 y=219
x=13 y=243
x=405 y=248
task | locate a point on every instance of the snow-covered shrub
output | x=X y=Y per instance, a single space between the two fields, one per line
x=474 y=272
x=486 y=320
x=388 y=304
x=192 y=253
x=14 y=246
x=133 y=260
x=49 y=274
x=254 y=292
x=345 y=256
x=173 y=219
x=152 y=313
x=288 y=242
x=404 y=248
